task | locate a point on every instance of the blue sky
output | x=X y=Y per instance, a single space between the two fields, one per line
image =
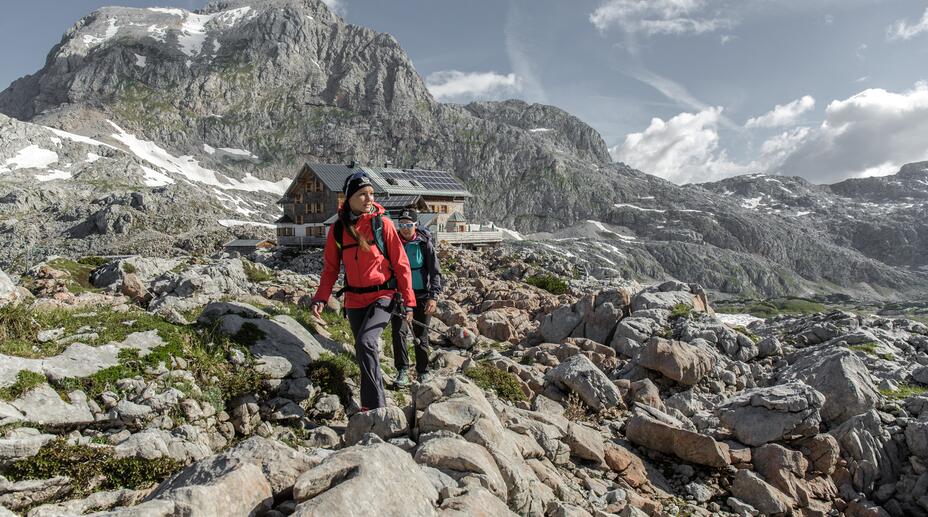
x=690 y=90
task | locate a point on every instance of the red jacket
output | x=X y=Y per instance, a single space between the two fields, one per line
x=365 y=269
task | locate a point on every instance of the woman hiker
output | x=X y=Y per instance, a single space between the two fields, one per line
x=376 y=268
x=426 y=284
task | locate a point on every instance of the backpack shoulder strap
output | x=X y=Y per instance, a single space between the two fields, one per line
x=377 y=230
x=337 y=228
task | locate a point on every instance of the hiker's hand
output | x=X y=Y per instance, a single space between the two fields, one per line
x=430 y=307
x=317 y=309
x=409 y=315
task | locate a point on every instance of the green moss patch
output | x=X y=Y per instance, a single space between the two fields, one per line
x=868 y=348
x=26 y=380
x=773 y=307
x=20 y=325
x=256 y=273
x=79 y=272
x=91 y=468
x=550 y=283
x=330 y=372
x=490 y=378
x=743 y=330
x=904 y=391
x=205 y=351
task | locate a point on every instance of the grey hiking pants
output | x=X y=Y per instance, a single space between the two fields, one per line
x=367 y=325
x=400 y=330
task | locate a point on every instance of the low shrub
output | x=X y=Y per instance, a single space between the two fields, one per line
x=91 y=468
x=550 y=283
x=26 y=380
x=330 y=373
x=680 y=310
x=504 y=384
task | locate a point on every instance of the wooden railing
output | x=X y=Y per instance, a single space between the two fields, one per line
x=470 y=237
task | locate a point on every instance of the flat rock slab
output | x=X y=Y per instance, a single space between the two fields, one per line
x=9 y=414
x=366 y=481
x=44 y=406
x=78 y=360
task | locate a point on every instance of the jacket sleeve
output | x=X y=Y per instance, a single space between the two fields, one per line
x=399 y=261
x=434 y=271
x=331 y=260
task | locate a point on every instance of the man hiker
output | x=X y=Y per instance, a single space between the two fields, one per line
x=426 y=284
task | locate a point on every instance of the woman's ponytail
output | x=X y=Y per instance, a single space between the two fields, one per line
x=350 y=226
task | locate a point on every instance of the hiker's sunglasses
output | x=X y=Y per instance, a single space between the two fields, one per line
x=407 y=225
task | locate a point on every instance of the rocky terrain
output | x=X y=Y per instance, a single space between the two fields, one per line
x=166 y=132
x=201 y=386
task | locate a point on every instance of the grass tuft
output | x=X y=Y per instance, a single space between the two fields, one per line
x=256 y=273
x=904 y=391
x=680 y=310
x=91 y=468
x=26 y=380
x=490 y=378
x=550 y=283
x=330 y=372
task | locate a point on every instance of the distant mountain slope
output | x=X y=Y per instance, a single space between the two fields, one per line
x=211 y=113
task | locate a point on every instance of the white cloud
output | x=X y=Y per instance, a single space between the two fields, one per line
x=652 y=17
x=336 y=6
x=902 y=30
x=783 y=115
x=675 y=92
x=684 y=149
x=454 y=85
x=870 y=132
x=860 y=51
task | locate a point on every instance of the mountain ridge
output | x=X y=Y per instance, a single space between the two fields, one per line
x=280 y=82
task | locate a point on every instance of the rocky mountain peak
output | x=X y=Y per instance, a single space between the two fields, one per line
x=917 y=170
x=548 y=122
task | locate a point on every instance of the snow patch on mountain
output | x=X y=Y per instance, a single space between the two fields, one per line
x=31 y=157
x=190 y=168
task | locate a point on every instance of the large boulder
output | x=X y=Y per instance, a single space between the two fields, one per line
x=786 y=470
x=461 y=459
x=686 y=445
x=761 y=415
x=560 y=323
x=475 y=502
x=282 y=347
x=631 y=333
x=676 y=360
x=752 y=489
x=873 y=457
x=579 y=375
x=458 y=406
x=840 y=376
x=280 y=464
x=219 y=485
x=385 y=422
x=393 y=482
